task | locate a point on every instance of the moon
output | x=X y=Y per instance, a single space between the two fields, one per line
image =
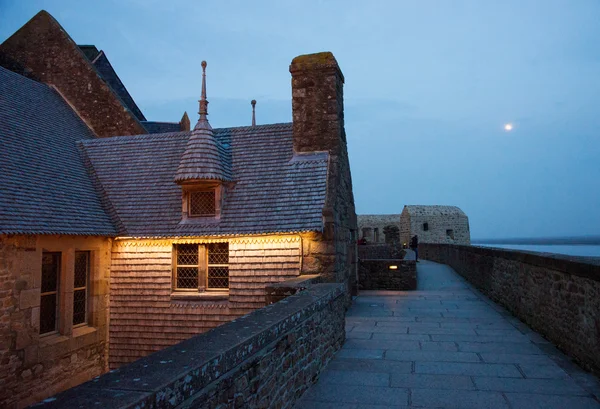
x=508 y=127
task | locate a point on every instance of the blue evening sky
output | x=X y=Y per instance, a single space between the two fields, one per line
x=429 y=87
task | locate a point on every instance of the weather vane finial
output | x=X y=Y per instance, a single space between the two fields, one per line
x=253 y=102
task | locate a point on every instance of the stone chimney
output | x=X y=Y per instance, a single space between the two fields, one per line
x=317 y=103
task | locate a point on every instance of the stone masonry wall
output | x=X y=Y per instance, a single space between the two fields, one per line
x=556 y=296
x=147 y=315
x=34 y=367
x=374 y=271
x=265 y=359
x=43 y=50
x=412 y=223
x=318 y=125
x=367 y=223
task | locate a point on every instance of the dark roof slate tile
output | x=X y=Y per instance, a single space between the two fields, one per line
x=273 y=191
x=45 y=187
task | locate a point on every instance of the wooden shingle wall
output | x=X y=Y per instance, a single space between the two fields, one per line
x=146 y=317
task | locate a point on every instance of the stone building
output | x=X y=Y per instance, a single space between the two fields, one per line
x=115 y=228
x=379 y=228
x=434 y=224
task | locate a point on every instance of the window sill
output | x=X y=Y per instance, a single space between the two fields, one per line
x=205 y=296
x=83 y=330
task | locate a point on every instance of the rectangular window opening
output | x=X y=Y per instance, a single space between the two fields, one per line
x=80 y=287
x=450 y=233
x=202 y=203
x=425 y=226
x=49 y=292
x=202 y=267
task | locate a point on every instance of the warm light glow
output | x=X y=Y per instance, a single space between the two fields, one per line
x=508 y=127
x=393 y=267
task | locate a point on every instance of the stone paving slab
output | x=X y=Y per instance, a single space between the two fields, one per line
x=445 y=346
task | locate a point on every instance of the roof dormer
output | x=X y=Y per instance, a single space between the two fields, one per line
x=203 y=167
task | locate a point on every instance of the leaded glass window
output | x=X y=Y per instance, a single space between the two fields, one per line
x=202 y=203
x=199 y=266
x=80 y=287
x=49 y=292
x=218 y=266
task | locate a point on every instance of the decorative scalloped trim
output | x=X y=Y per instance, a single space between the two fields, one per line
x=202 y=240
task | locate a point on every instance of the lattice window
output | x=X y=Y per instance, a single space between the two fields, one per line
x=186 y=269
x=202 y=266
x=202 y=203
x=49 y=292
x=80 y=287
x=218 y=266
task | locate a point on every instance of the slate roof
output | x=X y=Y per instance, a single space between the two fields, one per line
x=204 y=158
x=106 y=70
x=45 y=187
x=273 y=191
x=161 y=127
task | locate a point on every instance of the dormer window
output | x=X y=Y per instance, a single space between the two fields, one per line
x=202 y=203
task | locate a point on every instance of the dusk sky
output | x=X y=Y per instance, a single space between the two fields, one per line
x=429 y=88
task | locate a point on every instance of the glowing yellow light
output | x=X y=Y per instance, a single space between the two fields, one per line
x=508 y=127
x=393 y=267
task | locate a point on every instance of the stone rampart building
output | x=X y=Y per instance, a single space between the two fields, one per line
x=373 y=227
x=121 y=236
x=434 y=224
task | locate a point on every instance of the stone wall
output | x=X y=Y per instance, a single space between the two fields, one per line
x=445 y=224
x=374 y=272
x=265 y=359
x=556 y=296
x=318 y=125
x=33 y=366
x=43 y=50
x=147 y=315
x=371 y=226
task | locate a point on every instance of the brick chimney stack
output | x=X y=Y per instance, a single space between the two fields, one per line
x=317 y=103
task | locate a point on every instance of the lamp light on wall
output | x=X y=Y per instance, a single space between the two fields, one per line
x=393 y=267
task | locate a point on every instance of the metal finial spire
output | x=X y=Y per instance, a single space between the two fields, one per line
x=253 y=102
x=203 y=102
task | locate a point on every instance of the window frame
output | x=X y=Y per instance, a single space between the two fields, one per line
x=56 y=293
x=86 y=288
x=202 y=269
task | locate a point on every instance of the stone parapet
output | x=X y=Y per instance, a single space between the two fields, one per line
x=265 y=359
x=555 y=295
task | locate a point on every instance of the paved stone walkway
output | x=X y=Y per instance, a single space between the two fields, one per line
x=445 y=346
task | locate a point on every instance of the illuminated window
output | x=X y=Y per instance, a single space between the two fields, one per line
x=201 y=266
x=80 y=287
x=202 y=203
x=49 y=292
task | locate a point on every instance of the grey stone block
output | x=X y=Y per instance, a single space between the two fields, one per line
x=432 y=356
x=499 y=347
x=471 y=338
x=402 y=337
x=382 y=344
x=542 y=386
x=360 y=353
x=359 y=335
x=355 y=378
x=497 y=358
x=458 y=399
x=432 y=381
x=534 y=401
x=370 y=365
x=372 y=395
x=439 y=331
x=468 y=369
x=550 y=371
x=439 y=346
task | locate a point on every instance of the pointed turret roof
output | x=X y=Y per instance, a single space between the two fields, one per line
x=203 y=158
